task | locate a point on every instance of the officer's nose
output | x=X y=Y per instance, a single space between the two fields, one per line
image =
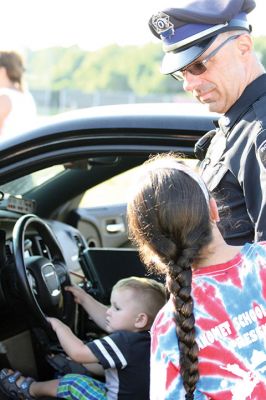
x=191 y=82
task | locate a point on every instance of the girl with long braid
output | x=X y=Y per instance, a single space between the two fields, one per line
x=209 y=341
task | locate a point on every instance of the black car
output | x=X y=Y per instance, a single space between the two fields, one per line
x=50 y=236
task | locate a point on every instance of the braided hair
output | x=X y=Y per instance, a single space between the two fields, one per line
x=169 y=221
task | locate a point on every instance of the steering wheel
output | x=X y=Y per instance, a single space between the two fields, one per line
x=42 y=278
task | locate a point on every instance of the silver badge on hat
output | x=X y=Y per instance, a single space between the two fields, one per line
x=162 y=25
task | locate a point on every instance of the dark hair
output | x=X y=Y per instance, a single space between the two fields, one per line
x=13 y=64
x=169 y=221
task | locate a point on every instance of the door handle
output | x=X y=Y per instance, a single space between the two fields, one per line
x=115 y=228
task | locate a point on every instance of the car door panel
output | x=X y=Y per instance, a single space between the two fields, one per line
x=103 y=226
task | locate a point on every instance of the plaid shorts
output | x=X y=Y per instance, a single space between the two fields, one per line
x=81 y=387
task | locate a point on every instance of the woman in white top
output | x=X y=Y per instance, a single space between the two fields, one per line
x=17 y=106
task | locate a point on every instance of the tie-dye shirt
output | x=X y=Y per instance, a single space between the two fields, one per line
x=230 y=313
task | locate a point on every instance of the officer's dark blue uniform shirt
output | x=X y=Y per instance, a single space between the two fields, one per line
x=235 y=166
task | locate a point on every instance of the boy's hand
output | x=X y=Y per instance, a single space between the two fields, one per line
x=95 y=309
x=78 y=293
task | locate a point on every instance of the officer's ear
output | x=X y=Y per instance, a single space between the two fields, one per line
x=214 y=214
x=245 y=44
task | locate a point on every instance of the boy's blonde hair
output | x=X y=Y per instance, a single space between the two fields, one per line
x=149 y=293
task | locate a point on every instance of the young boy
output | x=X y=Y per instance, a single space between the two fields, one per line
x=123 y=356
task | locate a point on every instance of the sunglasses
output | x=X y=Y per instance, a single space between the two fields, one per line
x=198 y=67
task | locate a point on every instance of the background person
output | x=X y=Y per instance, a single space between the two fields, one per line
x=17 y=106
x=123 y=356
x=208 y=342
x=208 y=46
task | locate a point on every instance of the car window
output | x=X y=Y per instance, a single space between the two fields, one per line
x=26 y=183
x=117 y=189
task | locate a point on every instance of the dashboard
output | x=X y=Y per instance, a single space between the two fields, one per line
x=16 y=203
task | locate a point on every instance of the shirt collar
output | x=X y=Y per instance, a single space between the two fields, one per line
x=251 y=93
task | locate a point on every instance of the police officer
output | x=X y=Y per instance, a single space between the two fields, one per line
x=208 y=46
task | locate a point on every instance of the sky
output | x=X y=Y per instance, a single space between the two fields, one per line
x=90 y=24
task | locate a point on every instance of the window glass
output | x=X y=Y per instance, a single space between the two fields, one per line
x=26 y=183
x=117 y=189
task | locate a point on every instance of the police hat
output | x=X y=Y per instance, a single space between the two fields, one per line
x=188 y=30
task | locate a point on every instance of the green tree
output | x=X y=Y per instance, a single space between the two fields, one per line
x=127 y=68
x=260 y=47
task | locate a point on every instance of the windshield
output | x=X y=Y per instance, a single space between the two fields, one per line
x=26 y=183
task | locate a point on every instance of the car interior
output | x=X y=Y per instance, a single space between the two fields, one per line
x=47 y=241
x=63 y=203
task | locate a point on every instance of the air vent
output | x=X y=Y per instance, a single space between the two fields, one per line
x=43 y=249
x=79 y=242
x=9 y=255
